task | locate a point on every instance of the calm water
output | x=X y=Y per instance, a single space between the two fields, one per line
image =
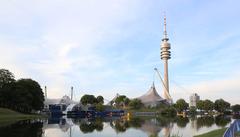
x=114 y=127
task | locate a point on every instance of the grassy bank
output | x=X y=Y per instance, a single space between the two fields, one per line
x=214 y=133
x=8 y=116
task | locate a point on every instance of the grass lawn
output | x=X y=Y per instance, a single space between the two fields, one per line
x=214 y=133
x=8 y=116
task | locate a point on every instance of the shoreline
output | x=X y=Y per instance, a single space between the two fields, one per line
x=8 y=116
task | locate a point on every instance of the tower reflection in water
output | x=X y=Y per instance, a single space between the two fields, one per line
x=153 y=127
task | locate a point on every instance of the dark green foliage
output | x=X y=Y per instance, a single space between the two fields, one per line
x=135 y=104
x=236 y=108
x=6 y=77
x=100 y=99
x=95 y=124
x=169 y=112
x=121 y=125
x=100 y=107
x=182 y=121
x=181 y=105
x=200 y=104
x=221 y=105
x=222 y=120
x=88 y=99
x=22 y=129
x=24 y=95
x=122 y=101
x=207 y=121
x=192 y=110
x=29 y=95
x=208 y=105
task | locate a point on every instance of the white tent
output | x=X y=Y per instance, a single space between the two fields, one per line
x=151 y=98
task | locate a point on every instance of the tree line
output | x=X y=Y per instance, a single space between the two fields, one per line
x=121 y=101
x=207 y=106
x=23 y=95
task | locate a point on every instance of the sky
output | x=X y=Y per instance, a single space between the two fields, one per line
x=112 y=46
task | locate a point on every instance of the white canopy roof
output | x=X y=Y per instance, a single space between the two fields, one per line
x=151 y=97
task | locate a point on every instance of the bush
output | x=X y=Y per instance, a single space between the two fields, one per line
x=169 y=112
x=135 y=104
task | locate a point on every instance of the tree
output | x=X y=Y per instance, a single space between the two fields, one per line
x=135 y=104
x=169 y=112
x=192 y=110
x=236 y=108
x=100 y=99
x=208 y=105
x=221 y=105
x=88 y=99
x=100 y=107
x=28 y=96
x=6 y=77
x=200 y=104
x=181 y=105
x=122 y=101
x=7 y=85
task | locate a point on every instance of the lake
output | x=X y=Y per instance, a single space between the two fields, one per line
x=115 y=127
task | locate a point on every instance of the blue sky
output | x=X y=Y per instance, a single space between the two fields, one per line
x=107 y=47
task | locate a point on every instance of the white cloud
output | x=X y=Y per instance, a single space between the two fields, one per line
x=226 y=88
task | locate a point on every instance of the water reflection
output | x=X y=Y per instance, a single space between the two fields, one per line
x=23 y=129
x=152 y=127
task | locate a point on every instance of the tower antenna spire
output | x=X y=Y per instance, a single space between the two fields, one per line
x=165 y=37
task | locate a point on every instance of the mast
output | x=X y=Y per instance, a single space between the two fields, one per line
x=71 y=93
x=45 y=90
x=165 y=56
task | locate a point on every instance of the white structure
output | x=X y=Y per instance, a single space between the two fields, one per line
x=165 y=56
x=151 y=98
x=64 y=100
x=194 y=98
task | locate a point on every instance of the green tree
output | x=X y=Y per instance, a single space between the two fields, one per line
x=88 y=99
x=122 y=101
x=236 y=108
x=200 y=104
x=28 y=95
x=221 y=105
x=192 y=110
x=100 y=107
x=100 y=99
x=208 y=105
x=7 y=85
x=6 y=77
x=181 y=105
x=135 y=104
x=169 y=111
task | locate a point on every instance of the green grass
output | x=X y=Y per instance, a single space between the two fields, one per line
x=214 y=133
x=8 y=116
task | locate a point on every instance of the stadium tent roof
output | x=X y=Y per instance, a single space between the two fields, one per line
x=151 y=98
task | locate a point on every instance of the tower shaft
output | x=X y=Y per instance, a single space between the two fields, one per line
x=166 y=83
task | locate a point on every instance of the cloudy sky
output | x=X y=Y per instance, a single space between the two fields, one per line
x=112 y=46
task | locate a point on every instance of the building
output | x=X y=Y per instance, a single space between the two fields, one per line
x=194 y=98
x=151 y=98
